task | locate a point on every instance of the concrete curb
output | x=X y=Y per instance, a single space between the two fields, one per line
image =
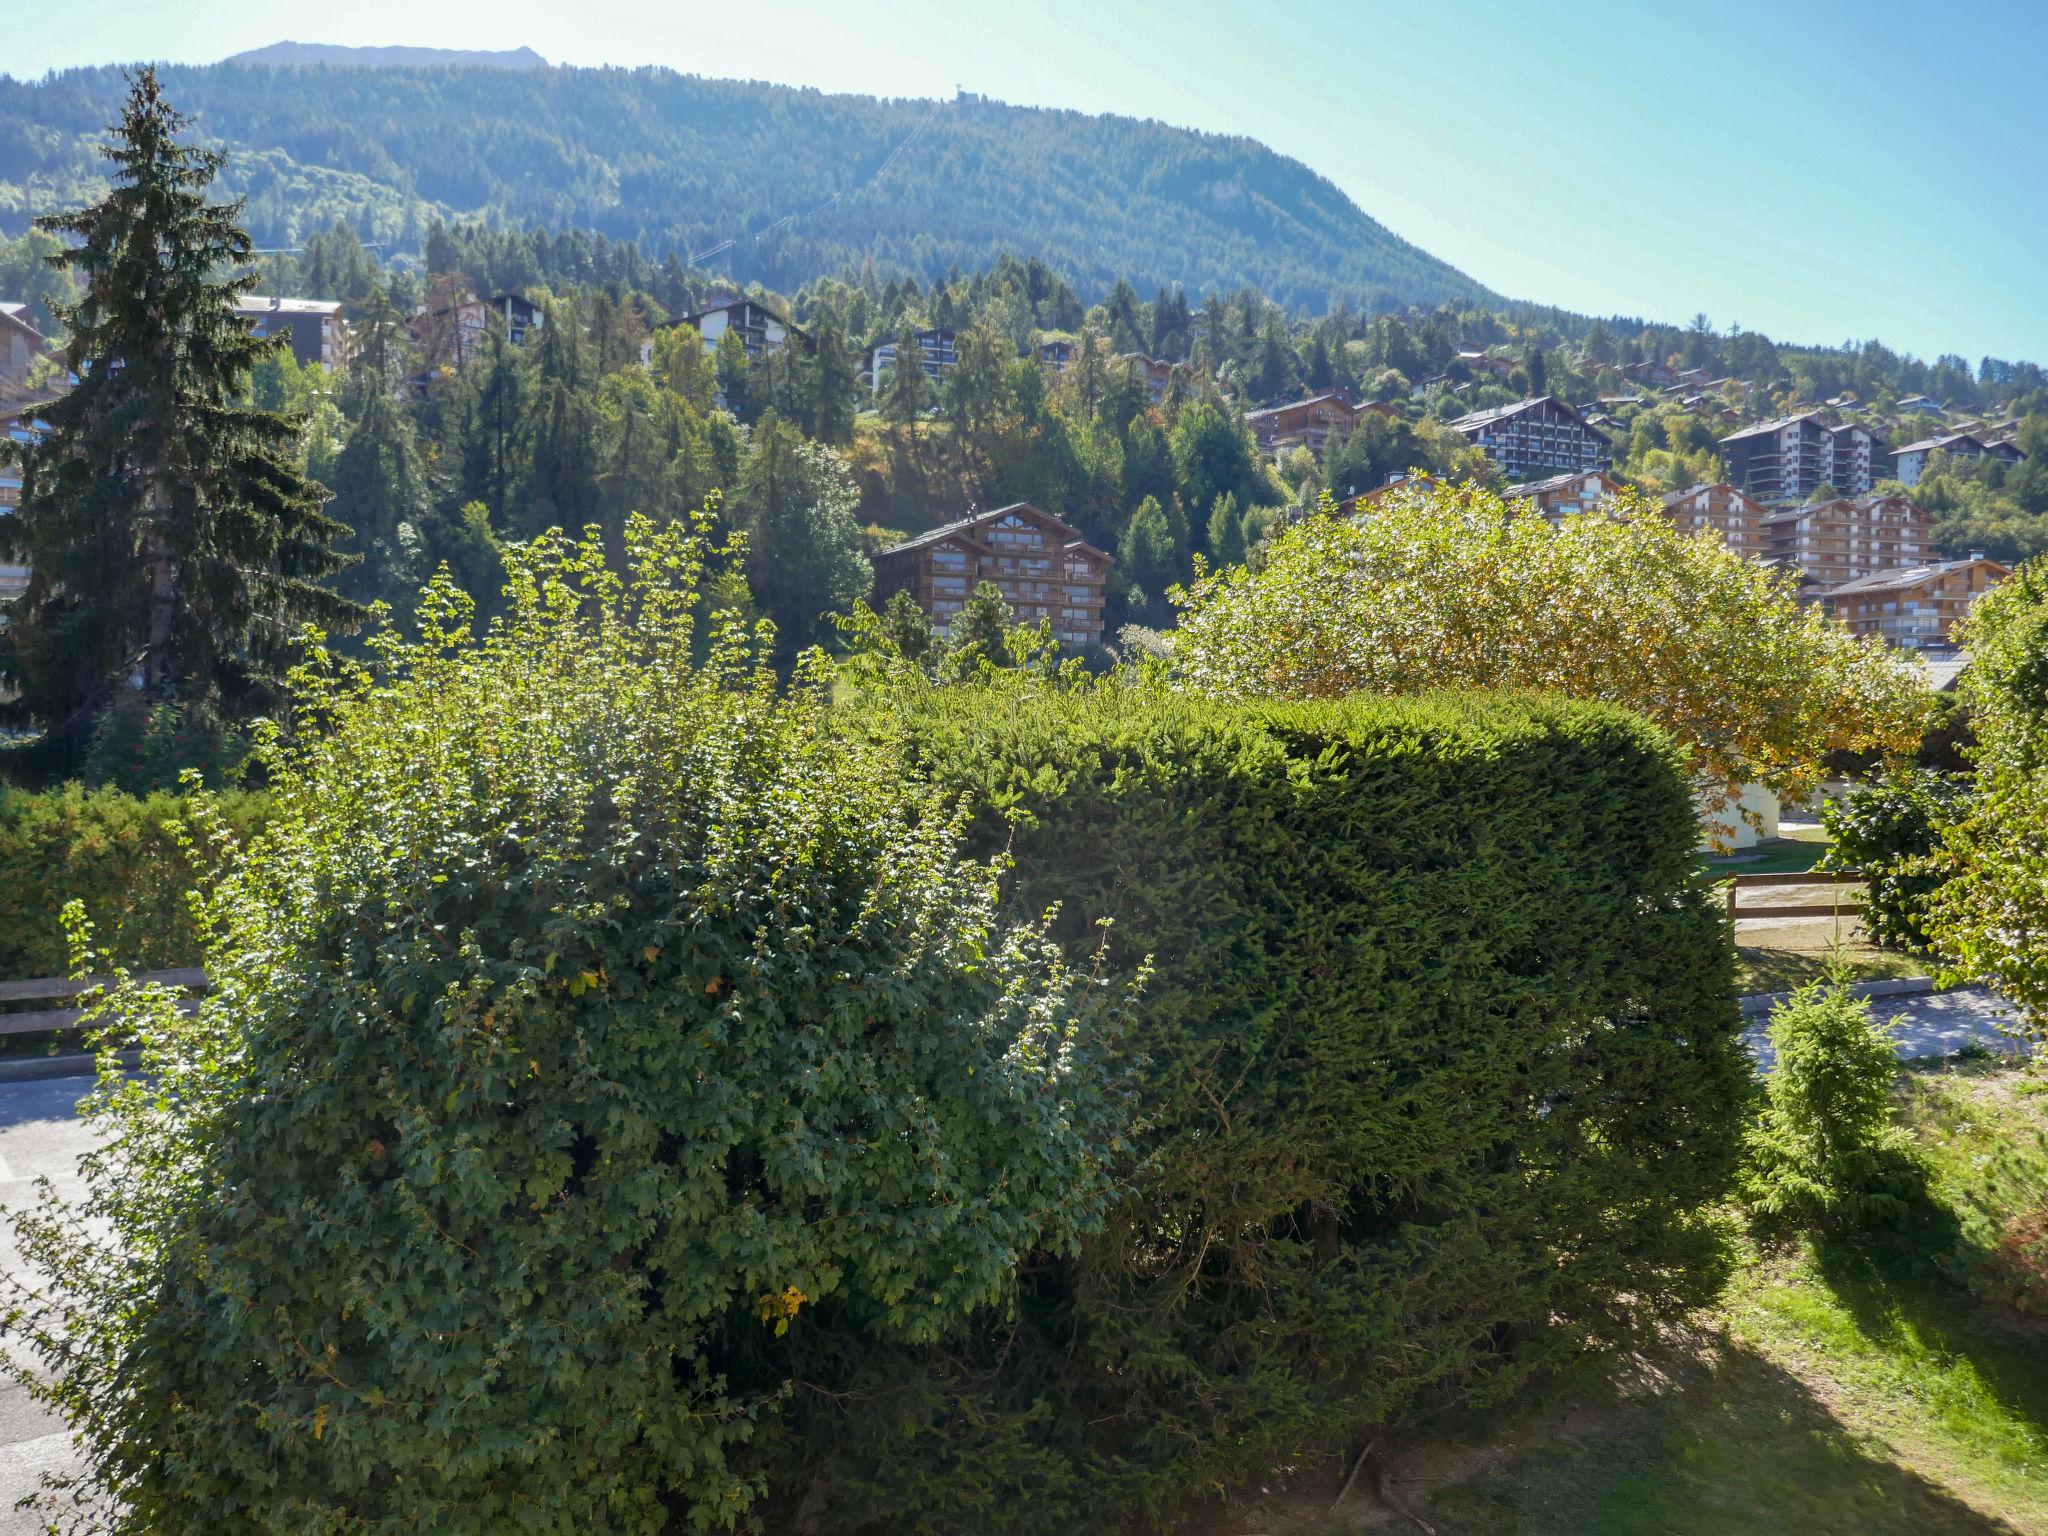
x=1899 y=986
x=29 y=1069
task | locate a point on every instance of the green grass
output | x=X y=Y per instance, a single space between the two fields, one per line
x=1793 y=853
x=1842 y=1387
x=1778 y=956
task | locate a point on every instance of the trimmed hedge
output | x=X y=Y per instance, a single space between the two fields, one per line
x=109 y=849
x=1439 y=1062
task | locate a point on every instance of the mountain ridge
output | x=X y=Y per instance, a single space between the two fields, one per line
x=352 y=56
x=683 y=162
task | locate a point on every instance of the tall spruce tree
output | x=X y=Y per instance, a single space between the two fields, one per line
x=174 y=546
x=380 y=482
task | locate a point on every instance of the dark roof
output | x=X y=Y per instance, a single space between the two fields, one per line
x=1928 y=444
x=1905 y=576
x=1557 y=482
x=1290 y=405
x=1776 y=424
x=1477 y=419
x=961 y=525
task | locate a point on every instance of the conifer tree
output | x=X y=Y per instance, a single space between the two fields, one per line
x=175 y=547
x=380 y=483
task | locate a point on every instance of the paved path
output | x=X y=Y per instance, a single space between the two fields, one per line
x=40 y=1136
x=1929 y=1024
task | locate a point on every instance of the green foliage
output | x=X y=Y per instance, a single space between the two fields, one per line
x=1437 y=1063
x=1451 y=587
x=173 y=542
x=592 y=1030
x=675 y=162
x=1890 y=828
x=1990 y=916
x=110 y=850
x=796 y=504
x=1824 y=1154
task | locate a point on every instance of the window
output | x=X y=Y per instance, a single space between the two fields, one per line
x=950 y=560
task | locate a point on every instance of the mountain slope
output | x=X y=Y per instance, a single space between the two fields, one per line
x=360 y=58
x=674 y=161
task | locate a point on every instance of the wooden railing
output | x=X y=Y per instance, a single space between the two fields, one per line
x=191 y=982
x=1741 y=883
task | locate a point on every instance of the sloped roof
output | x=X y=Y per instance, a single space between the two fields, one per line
x=1559 y=482
x=975 y=520
x=1478 y=419
x=1903 y=577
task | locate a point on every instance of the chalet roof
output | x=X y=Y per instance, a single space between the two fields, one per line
x=1673 y=498
x=1295 y=405
x=1478 y=419
x=18 y=313
x=1775 y=425
x=725 y=306
x=1559 y=482
x=276 y=304
x=1906 y=577
x=1929 y=444
x=962 y=525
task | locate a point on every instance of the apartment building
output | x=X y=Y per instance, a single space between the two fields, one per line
x=314 y=327
x=1157 y=373
x=1312 y=422
x=448 y=335
x=1910 y=462
x=20 y=345
x=1915 y=607
x=1794 y=456
x=759 y=328
x=937 y=350
x=1722 y=509
x=1563 y=496
x=18 y=424
x=1829 y=542
x=1534 y=439
x=1043 y=568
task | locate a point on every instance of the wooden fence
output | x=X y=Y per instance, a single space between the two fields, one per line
x=51 y=989
x=1741 y=883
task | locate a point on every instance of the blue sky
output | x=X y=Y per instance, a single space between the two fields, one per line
x=1821 y=172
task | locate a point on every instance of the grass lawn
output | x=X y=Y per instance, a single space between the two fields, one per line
x=1781 y=954
x=1856 y=1387
x=1847 y=1388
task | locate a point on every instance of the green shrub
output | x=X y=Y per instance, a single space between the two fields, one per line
x=1890 y=829
x=1989 y=917
x=1824 y=1155
x=1438 y=1065
x=112 y=851
x=590 y=1028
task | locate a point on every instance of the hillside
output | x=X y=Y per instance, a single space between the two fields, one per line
x=677 y=162
x=403 y=58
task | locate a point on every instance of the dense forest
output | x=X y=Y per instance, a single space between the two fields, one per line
x=677 y=163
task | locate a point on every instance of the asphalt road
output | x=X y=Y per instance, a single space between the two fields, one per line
x=41 y=1136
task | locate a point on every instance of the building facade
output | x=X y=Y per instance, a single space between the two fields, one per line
x=1312 y=422
x=314 y=327
x=1826 y=543
x=1916 y=607
x=1723 y=510
x=1910 y=462
x=1563 y=496
x=1044 y=569
x=1791 y=458
x=449 y=335
x=759 y=328
x=20 y=345
x=937 y=353
x=1535 y=439
x=20 y=425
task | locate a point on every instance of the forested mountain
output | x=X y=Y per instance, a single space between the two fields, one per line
x=365 y=58
x=680 y=163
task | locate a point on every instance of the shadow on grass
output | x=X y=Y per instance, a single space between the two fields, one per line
x=1713 y=1441
x=1984 y=1369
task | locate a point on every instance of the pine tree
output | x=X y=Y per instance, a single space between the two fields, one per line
x=832 y=383
x=1226 y=532
x=175 y=547
x=1147 y=557
x=796 y=503
x=906 y=391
